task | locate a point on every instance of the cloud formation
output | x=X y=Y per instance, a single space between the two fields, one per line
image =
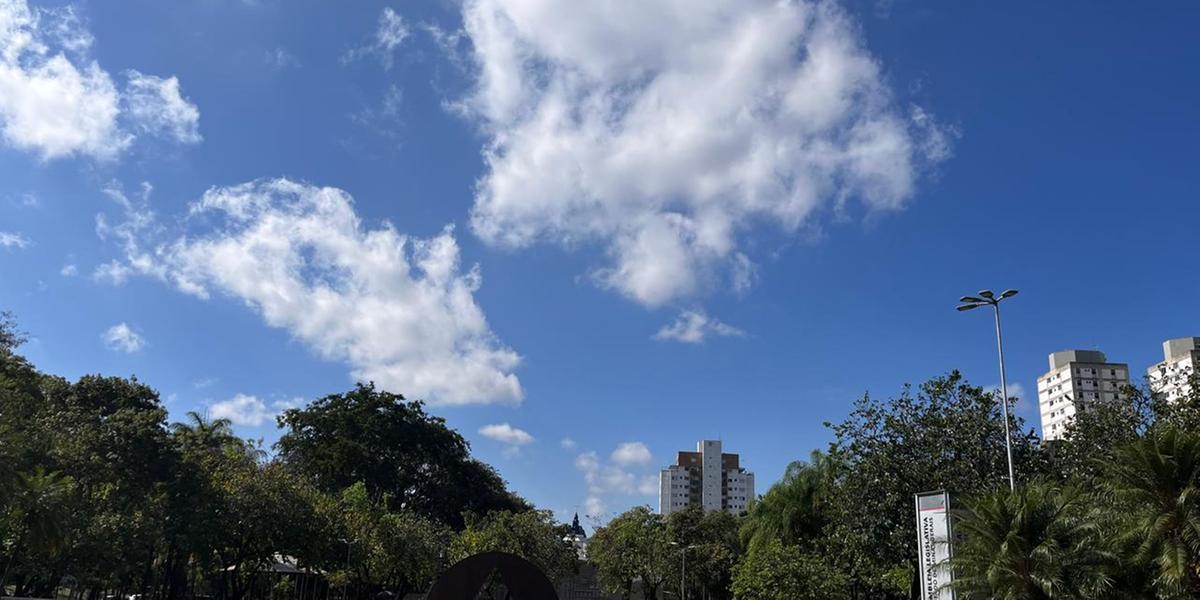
x=123 y=338
x=663 y=131
x=9 y=239
x=632 y=453
x=57 y=101
x=157 y=108
x=399 y=310
x=692 y=327
x=506 y=434
x=615 y=478
x=250 y=411
x=389 y=34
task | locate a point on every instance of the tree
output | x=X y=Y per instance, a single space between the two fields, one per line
x=795 y=510
x=1098 y=429
x=1156 y=487
x=1037 y=543
x=710 y=539
x=532 y=535
x=396 y=450
x=634 y=546
x=948 y=435
x=395 y=551
x=36 y=517
x=773 y=571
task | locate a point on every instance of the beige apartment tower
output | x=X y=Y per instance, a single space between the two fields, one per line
x=1076 y=379
x=707 y=477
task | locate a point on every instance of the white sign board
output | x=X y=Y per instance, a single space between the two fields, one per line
x=933 y=545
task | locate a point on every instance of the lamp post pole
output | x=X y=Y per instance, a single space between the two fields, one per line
x=986 y=298
x=683 y=569
x=346 y=585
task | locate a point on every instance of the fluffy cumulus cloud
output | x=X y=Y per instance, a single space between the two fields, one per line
x=632 y=453
x=664 y=130
x=242 y=410
x=693 y=327
x=399 y=310
x=56 y=100
x=250 y=411
x=623 y=475
x=506 y=434
x=122 y=338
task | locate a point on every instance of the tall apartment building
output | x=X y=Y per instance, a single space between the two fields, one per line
x=1076 y=378
x=707 y=478
x=1181 y=362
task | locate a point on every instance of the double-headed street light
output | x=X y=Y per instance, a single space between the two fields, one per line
x=988 y=298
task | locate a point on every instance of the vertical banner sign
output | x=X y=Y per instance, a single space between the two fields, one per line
x=933 y=545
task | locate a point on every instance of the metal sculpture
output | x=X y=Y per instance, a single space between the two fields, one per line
x=466 y=578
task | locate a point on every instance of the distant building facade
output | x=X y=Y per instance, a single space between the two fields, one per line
x=708 y=478
x=1173 y=377
x=1076 y=378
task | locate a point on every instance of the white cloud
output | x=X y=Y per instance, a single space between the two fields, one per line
x=13 y=240
x=156 y=107
x=56 y=101
x=507 y=434
x=567 y=443
x=242 y=410
x=594 y=507
x=614 y=478
x=250 y=411
x=112 y=272
x=1015 y=391
x=632 y=453
x=693 y=326
x=69 y=270
x=389 y=34
x=664 y=131
x=123 y=338
x=400 y=310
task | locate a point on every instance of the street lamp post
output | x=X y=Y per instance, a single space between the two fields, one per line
x=346 y=585
x=683 y=569
x=988 y=298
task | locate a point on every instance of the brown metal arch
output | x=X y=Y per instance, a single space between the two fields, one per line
x=466 y=578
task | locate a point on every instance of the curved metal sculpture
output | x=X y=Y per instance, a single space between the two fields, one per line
x=466 y=578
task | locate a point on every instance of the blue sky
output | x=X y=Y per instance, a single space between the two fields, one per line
x=627 y=224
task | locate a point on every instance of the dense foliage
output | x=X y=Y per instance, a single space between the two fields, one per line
x=98 y=493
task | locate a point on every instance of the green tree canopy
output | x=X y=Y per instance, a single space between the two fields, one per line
x=634 y=546
x=532 y=535
x=396 y=450
x=945 y=434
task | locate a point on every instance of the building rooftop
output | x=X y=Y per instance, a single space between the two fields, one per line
x=1179 y=347
x=1065 y=357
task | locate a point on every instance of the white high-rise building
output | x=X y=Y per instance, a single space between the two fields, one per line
x=707 y=478
x=1076 y=378
x=1181 y=362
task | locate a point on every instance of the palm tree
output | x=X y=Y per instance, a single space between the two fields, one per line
x=793 y=510
x=1156 y=484
x=39 y=511
x=202 y=432
x=1036 y=542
